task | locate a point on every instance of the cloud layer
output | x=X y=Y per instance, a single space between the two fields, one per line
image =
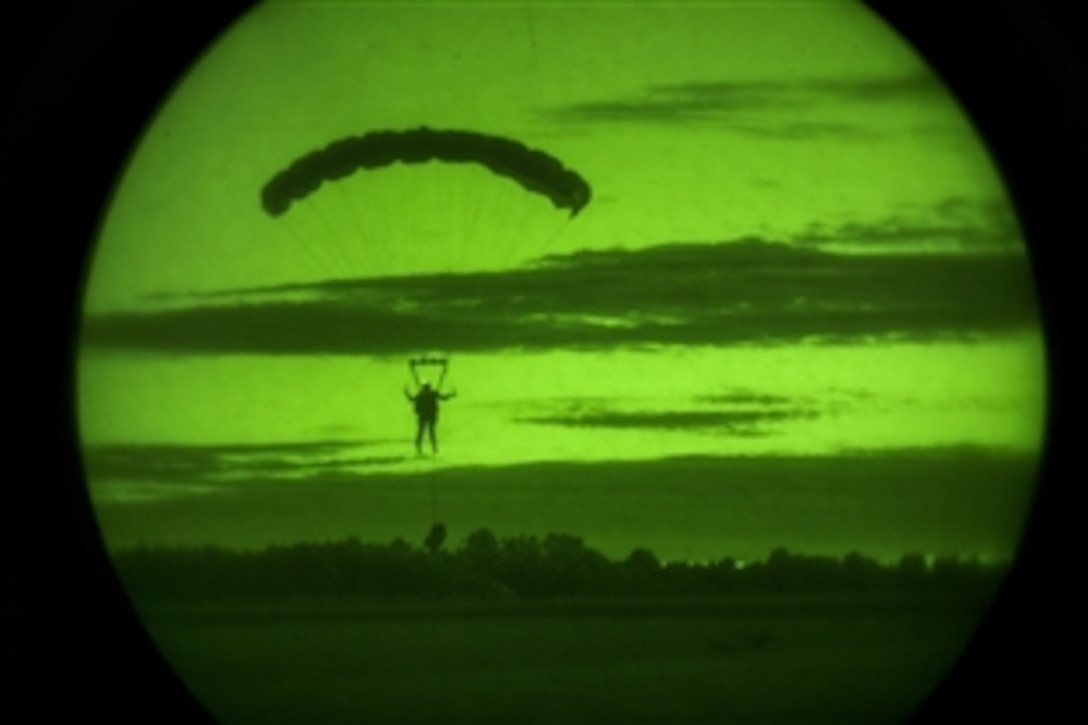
x=735 y=413
x=770 y=109
x=743 y=291
x=182 y=465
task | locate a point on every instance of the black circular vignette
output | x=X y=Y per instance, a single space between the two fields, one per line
x=84 y=80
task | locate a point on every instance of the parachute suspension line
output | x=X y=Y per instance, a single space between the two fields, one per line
x=496 y=239
x=436 y=206
x=453 y=227
x=473 y=212
x=492 y=225
x=542 y=249
x=524 y=251
x=465 y=201
x=358 y=237
x=434 y=495
x=318 y=265
x=527 y=243
x=320 y=243
x=333 y=244
x=514 y=223
x=401 y=249
x=375 y=217
x=472 y=235
x=395 y=242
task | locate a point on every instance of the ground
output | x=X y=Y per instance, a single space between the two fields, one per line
x=741 y=659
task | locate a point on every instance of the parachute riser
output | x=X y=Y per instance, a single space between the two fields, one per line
x=437 y=361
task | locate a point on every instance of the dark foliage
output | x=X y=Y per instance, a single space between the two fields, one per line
x=523 y=567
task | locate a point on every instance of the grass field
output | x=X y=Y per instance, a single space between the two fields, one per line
x=744 y=659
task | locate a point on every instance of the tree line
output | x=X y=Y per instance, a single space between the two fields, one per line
x=527 y=567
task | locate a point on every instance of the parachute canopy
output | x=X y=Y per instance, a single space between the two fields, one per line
x=534 y=170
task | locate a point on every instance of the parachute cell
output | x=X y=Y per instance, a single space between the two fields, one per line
x=534 y=170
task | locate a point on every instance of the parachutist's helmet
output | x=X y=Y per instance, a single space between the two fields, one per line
x=425 y=385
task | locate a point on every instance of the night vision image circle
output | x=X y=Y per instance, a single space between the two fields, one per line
x=567 y=363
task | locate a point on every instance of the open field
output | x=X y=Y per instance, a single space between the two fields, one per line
x=862 y=658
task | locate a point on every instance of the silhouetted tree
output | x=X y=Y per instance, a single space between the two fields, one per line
x=481 y=553
x=911 y=571
x=559 y=565
x=861 y=572
x=722 y=576
x=570 y=567
x=640 y=573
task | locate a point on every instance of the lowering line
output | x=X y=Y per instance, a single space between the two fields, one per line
x=434 y=494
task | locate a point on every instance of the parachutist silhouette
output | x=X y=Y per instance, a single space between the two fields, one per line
x=426 y=402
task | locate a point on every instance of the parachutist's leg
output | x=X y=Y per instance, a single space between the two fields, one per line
x=419 y=437
x=428 y=424
x=434 y=438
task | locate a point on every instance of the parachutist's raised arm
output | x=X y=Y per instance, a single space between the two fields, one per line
x=415 y=375
x=408 y=394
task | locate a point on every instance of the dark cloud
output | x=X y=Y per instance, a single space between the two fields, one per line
x=746 y=398
x=736 y=412
x=916 y=87
x=759 y=108
x=196 y=465
x=746 y=291
x=742 y=422
x=684 y=103
x=958 y=223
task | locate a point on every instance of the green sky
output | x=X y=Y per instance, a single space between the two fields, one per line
x=702 y=123
x=796 y=245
